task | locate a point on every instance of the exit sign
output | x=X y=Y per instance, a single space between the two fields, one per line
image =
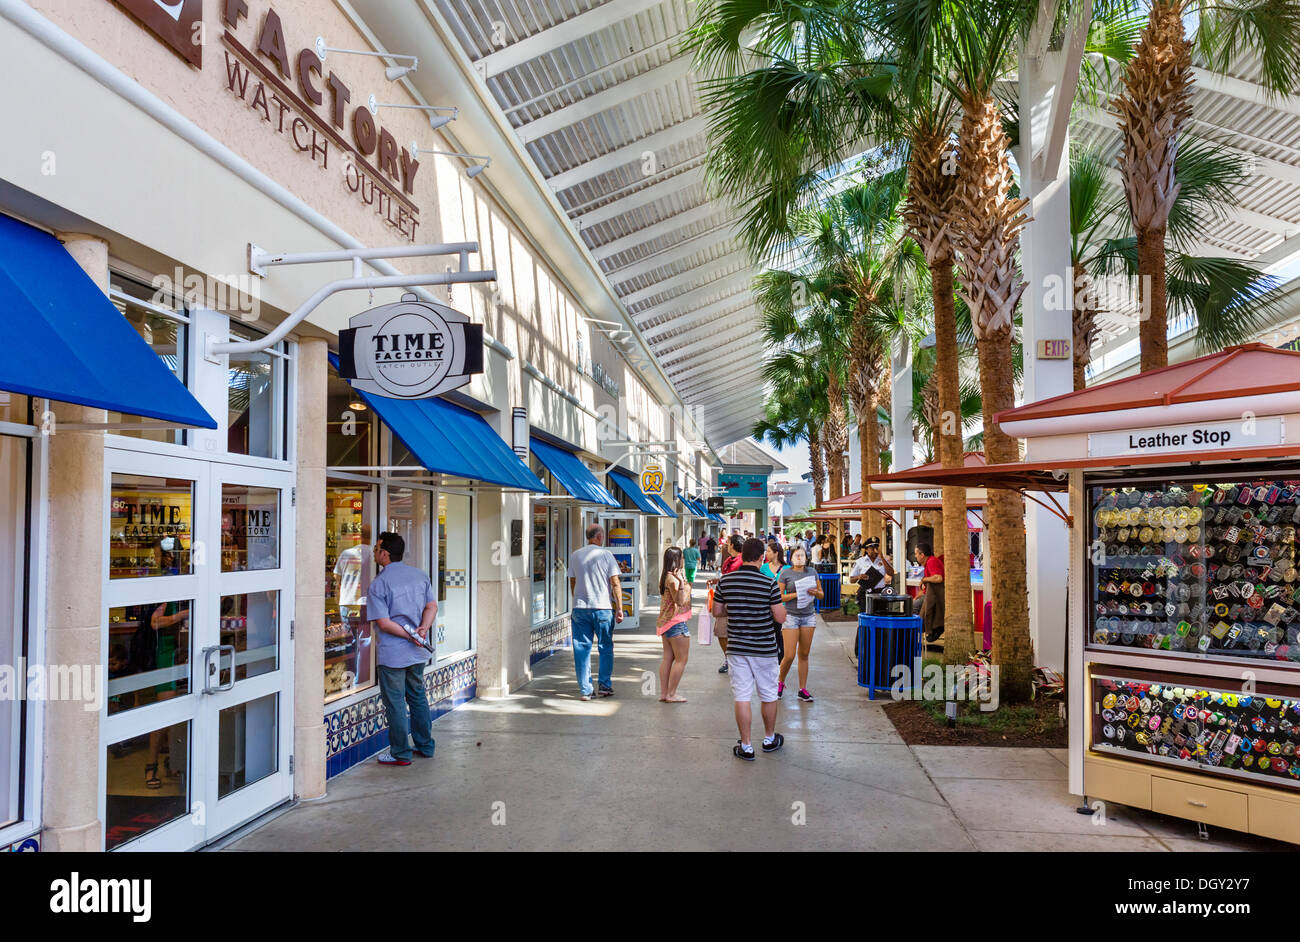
x=1053 y=349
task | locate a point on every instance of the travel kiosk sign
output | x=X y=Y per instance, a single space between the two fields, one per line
x=410 y=349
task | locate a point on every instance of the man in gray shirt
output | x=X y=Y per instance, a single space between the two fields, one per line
x=597 y=607
x=401 y=600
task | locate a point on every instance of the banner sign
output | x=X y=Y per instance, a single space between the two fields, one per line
x=743 y=485
x=652 y=479
x=411 y=349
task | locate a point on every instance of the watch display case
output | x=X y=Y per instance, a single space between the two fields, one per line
x=1253 y=736
x=1196 y=567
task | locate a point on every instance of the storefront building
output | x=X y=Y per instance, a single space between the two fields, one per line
x=227 y=501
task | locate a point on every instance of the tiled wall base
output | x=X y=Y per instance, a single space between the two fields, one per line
x=357 y=732
x=545 y=641
x=29 y=846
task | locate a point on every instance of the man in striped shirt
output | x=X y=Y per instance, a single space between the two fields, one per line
x=751 y=602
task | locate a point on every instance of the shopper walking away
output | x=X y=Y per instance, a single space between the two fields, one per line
x=710 y=552
x=932 y=601
x=674 y=613
x=800 y=587
x=731 y=551
x=401 y=600
x=751 y=603
x=691 y=561
x=597 y=608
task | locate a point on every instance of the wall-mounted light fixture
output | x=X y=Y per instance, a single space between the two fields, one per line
x=436 y=120
x=471 y=171
x=394 y=72
x=519 y=428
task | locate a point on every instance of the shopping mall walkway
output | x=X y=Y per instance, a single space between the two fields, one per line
x=542 y=770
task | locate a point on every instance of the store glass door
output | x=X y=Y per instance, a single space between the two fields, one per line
x=623 y=538
x=198 y=719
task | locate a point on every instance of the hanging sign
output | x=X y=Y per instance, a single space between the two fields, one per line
x=411 y=349
x=715 y=505
x=1053 y=349
x=1201 y=436
x=652 y=479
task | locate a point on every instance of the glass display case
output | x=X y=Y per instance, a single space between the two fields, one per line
x=1195 y=568
x=1207 y=728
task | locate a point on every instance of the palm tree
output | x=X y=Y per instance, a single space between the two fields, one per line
x=815 y=345
x=796 y=414
x=1155 y=105
x=1229 y=298
x=976 y=45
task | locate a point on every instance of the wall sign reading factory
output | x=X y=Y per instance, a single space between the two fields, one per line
x=312 y=108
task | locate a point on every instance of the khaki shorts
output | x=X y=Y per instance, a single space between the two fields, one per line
x=747 y=672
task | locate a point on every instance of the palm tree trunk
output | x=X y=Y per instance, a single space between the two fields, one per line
x=1153 y=326
x=1153 y=108
x=988 y=223
x=867 y=518
x=959 y=625
x=1005 y=516
x=1084 y=323
x=835 y=434
x=816 y=463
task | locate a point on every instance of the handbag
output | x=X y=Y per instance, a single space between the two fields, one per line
x=705 y=627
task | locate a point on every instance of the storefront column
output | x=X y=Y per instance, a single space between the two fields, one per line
x=74 y=603
x=309 y=553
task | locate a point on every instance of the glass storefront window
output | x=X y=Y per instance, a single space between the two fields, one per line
x=146 y=783
x=1198 y=567
x=559 y=561
x=151 y=529
x=250 y=528
x=13 y=581
x=148 y=653
x=146 y=310
x=410 y=516
x=541 y=557
x=13 y=408
x=251 y=622
x=349 y=567
x=248 y=743
x=349 y=426
x=454 y=575
x=256 y=400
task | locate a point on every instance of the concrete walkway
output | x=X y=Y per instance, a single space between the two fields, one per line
x=543 y=770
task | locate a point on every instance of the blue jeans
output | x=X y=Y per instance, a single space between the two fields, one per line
x=402 y=687
x=589 y=624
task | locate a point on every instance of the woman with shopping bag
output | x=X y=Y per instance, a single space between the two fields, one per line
x=674 y=613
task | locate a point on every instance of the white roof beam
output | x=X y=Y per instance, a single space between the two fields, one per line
x=684 y=346
x=633 y=201
x=617 y=94
x=684 y=304
x=561 y=34
x=722 y=236
x=709 y=313
x=692 y=276
x=692 y=375
x=653 y=231
x=1246 y=91
x=633 y=152
x=719 y=389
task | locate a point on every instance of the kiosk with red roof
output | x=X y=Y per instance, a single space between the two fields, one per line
x=1183 y=588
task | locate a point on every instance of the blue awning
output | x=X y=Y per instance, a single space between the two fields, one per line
x=573 y=475
x=624 y=481
x=662 y=504
x=68 y=342
x=451 y=440
x=690 y=505
x=718 y=518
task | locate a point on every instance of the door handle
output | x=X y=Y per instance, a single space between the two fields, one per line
x=210 y=669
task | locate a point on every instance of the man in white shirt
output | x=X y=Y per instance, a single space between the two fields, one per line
x=871 y=571
x=597 y=607
x=352 y=574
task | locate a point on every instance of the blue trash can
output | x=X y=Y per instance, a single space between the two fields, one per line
x=885 y=642
x=830 y=586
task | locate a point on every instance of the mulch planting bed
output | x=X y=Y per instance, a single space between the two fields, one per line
x=1037 y=723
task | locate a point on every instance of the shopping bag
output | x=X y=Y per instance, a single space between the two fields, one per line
x=705 y=629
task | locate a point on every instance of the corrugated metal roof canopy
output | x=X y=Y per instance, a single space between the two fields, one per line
x=609 y=110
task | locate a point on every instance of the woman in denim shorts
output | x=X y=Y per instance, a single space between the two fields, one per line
x=800 y=622
x=674 y=613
